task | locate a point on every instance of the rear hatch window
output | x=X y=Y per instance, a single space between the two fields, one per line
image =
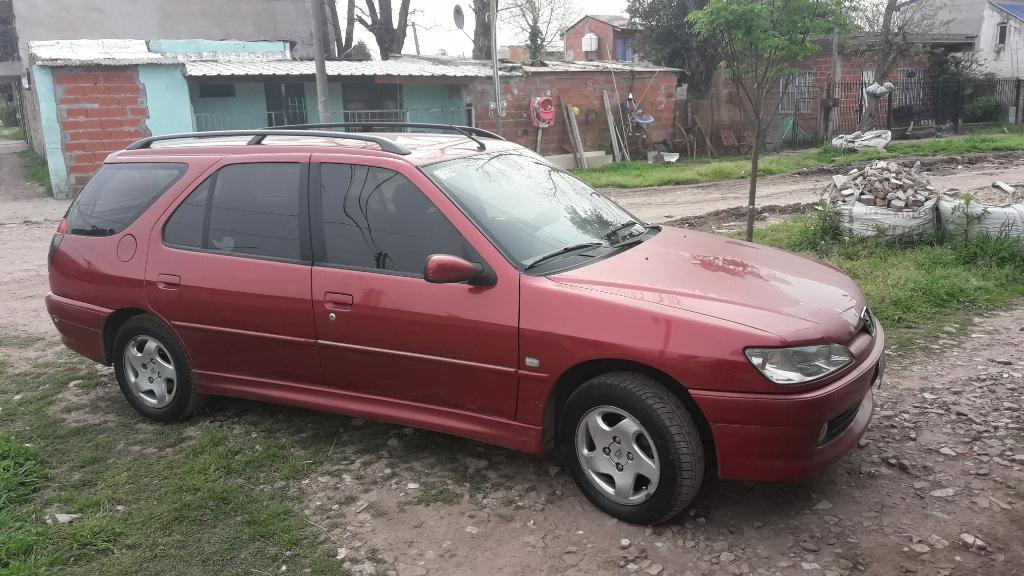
x=118 y=194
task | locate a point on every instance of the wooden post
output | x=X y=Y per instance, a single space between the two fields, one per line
x=319 y=54
x=1016 y=104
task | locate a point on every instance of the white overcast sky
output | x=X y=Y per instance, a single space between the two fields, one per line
x=437 y=30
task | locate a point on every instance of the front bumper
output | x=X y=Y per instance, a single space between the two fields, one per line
x=775 y=437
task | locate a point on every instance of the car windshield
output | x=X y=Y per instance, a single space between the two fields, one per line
x=530 y=208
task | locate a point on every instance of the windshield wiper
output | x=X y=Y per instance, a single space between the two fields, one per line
x=624 y=226
x=561 y=251
x=93 y=230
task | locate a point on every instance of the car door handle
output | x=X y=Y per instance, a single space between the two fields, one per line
x=337 y=301
x=168 y=281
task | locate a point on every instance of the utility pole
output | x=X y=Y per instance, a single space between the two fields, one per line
x=319 y=40
x=499 y=110
x=415 y=39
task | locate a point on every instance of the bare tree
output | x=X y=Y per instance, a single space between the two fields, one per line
x=893 y=29
x=539 y=22
x=350 y=24
x=332 y=18
x=481 y=29
x=390 y=36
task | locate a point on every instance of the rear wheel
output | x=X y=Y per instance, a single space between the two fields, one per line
x=153 y=372
x=632 y=447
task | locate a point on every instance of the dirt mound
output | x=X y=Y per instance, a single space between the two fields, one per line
x=735 y=218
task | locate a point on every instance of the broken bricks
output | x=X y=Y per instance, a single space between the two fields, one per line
x=883 y=184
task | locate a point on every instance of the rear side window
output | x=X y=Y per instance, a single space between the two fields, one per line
x=376 y=219
x=118 y=194
x=248 y=209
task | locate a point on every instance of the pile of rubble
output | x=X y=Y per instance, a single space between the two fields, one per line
x=883 y=184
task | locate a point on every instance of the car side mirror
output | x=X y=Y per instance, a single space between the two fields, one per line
x=448 y=269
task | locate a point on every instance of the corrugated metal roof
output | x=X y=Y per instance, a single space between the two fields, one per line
x=401 y=66
x=596 y=66
x=405 y=66
x=1014 y=9
x=102 y=52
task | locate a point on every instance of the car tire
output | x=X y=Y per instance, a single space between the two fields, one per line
x=619 y=429
x=153 y=371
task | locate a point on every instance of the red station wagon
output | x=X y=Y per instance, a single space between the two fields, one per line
x=461 y=283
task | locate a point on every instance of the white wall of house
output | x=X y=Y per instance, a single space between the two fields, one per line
x=1006 y=59
x=956 y=16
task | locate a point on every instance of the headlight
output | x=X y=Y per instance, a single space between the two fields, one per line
x=801 y=364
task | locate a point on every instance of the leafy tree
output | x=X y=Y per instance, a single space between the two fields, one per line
x=389 y=34
x=540 y=21
x=666 y=37
x=761 y=42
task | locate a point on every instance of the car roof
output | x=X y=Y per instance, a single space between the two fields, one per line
x=424 y=148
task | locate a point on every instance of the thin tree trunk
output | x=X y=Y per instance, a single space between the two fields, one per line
x=350 y=26
x=481 y=31
x=755 y=157
x=332 y=17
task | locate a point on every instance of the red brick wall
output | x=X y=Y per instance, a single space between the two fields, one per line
x=656 y=94
x=605 y=43
x=100 y=110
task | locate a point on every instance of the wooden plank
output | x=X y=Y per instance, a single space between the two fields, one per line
x=579 y=140
x=611 y=127
x=569 y=122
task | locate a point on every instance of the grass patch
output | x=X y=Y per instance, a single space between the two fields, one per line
x=436 y=494
x=916 y=288
x=153 y=499
x=12 y=133
x=36 y=169
x=641 y=174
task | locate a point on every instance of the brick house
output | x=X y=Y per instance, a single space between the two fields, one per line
x=808 y=111
x=600 y=37
x=88 y=98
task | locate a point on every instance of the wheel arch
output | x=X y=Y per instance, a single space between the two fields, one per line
x=577 y=375
x=116 y=319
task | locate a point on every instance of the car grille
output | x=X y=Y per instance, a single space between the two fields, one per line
x=839 y=424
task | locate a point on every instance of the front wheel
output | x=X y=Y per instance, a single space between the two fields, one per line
x=632 y=447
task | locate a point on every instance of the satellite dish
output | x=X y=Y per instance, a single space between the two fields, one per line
x=460 y=17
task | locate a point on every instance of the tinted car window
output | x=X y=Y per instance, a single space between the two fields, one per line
x=118 y=194
x=376 y=218
x=185 y=226
x=247 y=209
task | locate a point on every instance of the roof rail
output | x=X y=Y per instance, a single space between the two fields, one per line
x=451 y=127
x=468 y=131
x=257 y=137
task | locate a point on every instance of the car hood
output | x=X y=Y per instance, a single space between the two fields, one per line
x=796 y=298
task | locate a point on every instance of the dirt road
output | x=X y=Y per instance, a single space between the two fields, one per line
x=936 y=488
x=664 y=203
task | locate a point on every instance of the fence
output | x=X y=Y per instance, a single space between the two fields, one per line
x=810 y=113
x=924 y=103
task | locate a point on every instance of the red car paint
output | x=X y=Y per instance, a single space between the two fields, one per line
x=682 y=306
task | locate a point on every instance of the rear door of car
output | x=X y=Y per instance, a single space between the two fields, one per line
x=384 y=330
x=229 y=269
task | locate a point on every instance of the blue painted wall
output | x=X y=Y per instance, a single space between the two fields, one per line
x=170 y=109
x=198 y=46
x=335 y=102
x=42 y=78
x=434 y=103
x=247 y=109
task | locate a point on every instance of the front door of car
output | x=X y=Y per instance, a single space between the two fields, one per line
x=229 y=269
x=382 y=329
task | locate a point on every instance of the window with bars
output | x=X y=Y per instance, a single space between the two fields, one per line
x=798 y=95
